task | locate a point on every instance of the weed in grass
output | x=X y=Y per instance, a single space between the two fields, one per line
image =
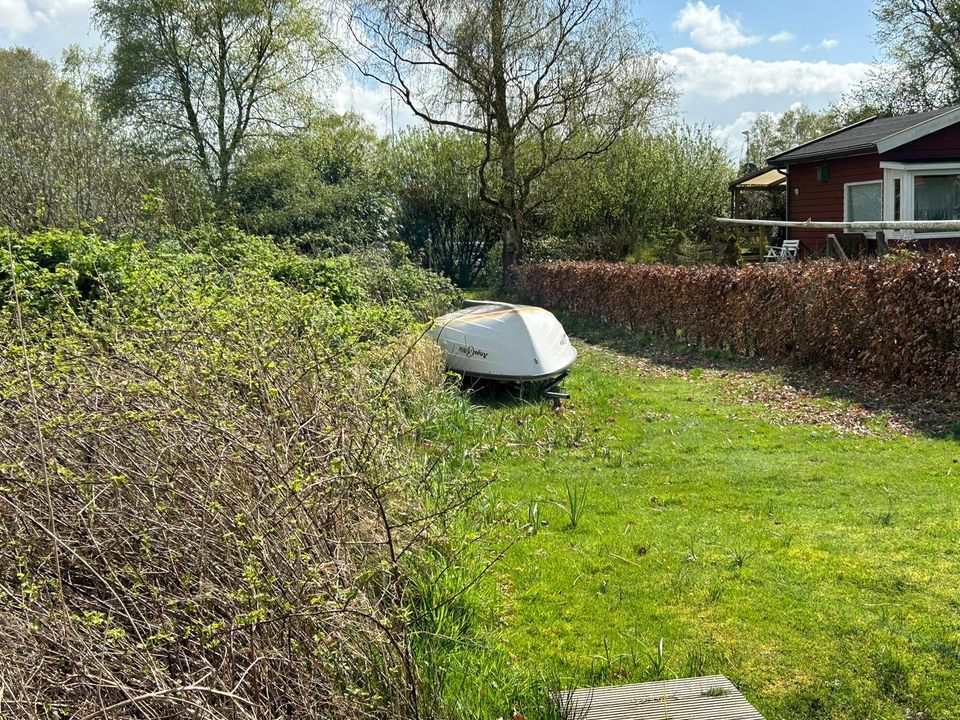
x=948 y=650
x=739 y=557
x=533 y=517
x=696 y=663
x=884 y=518
x=769 y=508
x=681 y=579
x=715 y=593
x=607 y=667
x=657 y=663
x=576 y=501
x=660 y=503
x=704 y=657
x=892 y=668
x=784 y=538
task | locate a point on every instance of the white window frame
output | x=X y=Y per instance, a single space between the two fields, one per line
x=846 y=198
x=907 y=172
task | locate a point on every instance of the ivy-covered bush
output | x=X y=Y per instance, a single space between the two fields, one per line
x=895 y=319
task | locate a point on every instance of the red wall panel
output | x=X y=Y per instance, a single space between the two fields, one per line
x=824 y=200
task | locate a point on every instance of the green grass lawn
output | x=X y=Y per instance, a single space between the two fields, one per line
x=818 y=568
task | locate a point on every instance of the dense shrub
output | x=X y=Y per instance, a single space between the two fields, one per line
x=897 y=320
x=327 y=179
x=440 y=214
x=69 y=271
x=209 y=500
x=647 y=186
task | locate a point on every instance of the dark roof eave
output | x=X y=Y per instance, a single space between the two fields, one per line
x=781 y=161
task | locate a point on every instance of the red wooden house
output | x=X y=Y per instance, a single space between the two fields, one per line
x=897 y=168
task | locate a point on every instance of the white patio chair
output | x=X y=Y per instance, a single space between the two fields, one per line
x=787 y=252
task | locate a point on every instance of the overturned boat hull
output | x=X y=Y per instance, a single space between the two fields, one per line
x=501 y=341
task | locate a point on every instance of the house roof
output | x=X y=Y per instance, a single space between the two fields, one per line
x=875 y=134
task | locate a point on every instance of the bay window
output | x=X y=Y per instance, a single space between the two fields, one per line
x=936 y=197
x=921 y=192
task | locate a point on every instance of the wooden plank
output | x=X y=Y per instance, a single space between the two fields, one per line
x=834 y=248
x=860 y=226
x=701 y=698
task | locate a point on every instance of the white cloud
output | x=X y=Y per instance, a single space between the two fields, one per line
x=23 y=16
x=16 y=16
x=372 y=102
x=781 y=37
x=732 y=134
x=829 y=43
x=710 y=29
x=721 y=76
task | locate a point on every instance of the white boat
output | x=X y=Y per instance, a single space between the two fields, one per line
x=501 y=341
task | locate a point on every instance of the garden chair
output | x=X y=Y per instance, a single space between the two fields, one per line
x=787 y=252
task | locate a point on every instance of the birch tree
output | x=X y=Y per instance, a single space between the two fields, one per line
x=197 y=77
x=542 y=82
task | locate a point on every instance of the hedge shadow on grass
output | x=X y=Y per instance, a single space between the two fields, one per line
x=919 y=412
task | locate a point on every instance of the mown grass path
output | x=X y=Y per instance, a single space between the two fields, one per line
x=801 y=545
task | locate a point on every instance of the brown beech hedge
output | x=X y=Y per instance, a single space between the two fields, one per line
x=897 y=320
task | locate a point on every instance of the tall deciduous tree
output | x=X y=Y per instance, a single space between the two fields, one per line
x=199 y=76
x=59 y=165
x=439 y=212
x=922 y=42
x=528 y=76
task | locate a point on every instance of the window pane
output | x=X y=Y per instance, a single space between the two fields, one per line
x=896 y=199
x=936 y=197
x=864 y=202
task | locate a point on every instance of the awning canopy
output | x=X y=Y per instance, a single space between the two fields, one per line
x=765 y=178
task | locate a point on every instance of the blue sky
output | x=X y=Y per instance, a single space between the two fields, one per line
x=736 y=58
x=732 y=58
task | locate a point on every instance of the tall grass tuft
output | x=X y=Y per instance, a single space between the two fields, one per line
x=576 y=492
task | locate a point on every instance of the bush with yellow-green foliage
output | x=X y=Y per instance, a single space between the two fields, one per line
x=209 y=498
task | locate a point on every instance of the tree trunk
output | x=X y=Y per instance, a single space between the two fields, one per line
x=509 y=212
x=511 y=243
x=506 y=141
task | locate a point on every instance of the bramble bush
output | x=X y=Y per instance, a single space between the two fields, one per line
x=895 y=319
x=211 y=491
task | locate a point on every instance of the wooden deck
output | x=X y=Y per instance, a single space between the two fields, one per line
x=700 y=698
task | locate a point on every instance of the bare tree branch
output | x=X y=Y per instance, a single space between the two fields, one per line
x=542 y=82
